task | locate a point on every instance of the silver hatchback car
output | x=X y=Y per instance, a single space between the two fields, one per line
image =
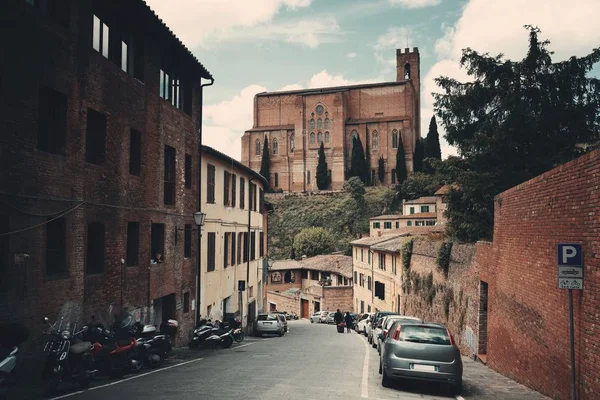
x=269 y=323
x=421 y=351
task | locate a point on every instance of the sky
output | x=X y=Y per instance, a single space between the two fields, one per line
x=252 y=46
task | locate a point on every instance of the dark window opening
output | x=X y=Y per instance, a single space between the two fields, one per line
x=393 y=176
x=133 y=243
x=226 y=250
x=246 y=247
x=186 y=302
x=261 y=204
x=56 y=249
x=137 y=58
x=380 y=290
x=187 y=241
x=5 y=279
x=210 y=264
x=314 y=275
x=95 y=144
x=242 y=193
x=276 y=179
x=56 y=9
x=52 y=121
x=135 y=152
x=226 y=177
x=304 y=274
x=233 y=191
x=157 y=243
x=95 y=248
x=210 y=184
x=169 y=177
x=407 y=71
x=240 y=247
x=253 y=246
x=288 y=277
x=188 y=171
x=233 y=249
x=261 y=244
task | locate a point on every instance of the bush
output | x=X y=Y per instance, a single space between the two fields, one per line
x=443 y=258
x=448 y=297
x=407 y=255
x=313 y=241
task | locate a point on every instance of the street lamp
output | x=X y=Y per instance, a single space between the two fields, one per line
x=270 y=262
x=199 y=218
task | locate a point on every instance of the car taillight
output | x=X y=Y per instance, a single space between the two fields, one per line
x=452 y=342
x=396 y=335
x=385 y=332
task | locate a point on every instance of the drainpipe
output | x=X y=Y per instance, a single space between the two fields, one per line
x=199 y=235
x=252 y=196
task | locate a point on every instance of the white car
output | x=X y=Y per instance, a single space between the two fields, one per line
x=382 y=329
x=361 y=326
x=316 y=317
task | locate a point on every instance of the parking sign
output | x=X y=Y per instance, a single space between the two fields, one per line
x=570 y=254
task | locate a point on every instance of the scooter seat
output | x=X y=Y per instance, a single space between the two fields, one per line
x=80 y=347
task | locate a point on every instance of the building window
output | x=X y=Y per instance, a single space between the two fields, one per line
x=246 y=247
x=354 y=135
x=397 y=224
x=253 y=193
x=101 y=37
x=387 y=225
x=188 y=171
x=232 y=255
x=226 y=249
x=361 y=282
x=319 y=137
x=308 y=177
x=242 y=193
x=261 y=244
x=393 y=176
x=240 y=247
x=276 y=179
x=376 y=225
x=233 y=189
x=362 y=256
x=369 y=283
x=124 y=56
x=375 y=141
x=312 y=124
x=157 y=243
x=355 y=277
x=169 y=176
x=382 y=261
x=408 y=223
x=326 y=137
x=186 y=302
x=172 y=90
x=319 y=123
x=261 y=201
x=369 y=308
x=275 y=147
x=429 y=222
x=252 y=246
x=412 y=210
x=133 y=243
x=395 y=139
x=226 y=180
x=312 y=138
x=362 y=307
x=52 y=121
x=327 y=124
x=95 y=249
x=56 y=248
x=187 y=241
x=424 y=209
x=95 y=142
x=304 y=274
x=369 y=257
x=292 y=143
x=210 y=262
x=135 y=152
x=257 y=147
x=314 y=275
x=210 y=184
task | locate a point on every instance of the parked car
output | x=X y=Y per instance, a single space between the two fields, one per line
x=375 y=321
x=316 y=317
x=423 y=351
x=324 y=315
x=361 y=326
x=283 y=318
x=330 y=319
x=269 y=323
x=386 y=323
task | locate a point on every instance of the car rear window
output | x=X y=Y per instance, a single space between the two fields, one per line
x=265 y=317
x=424 y=334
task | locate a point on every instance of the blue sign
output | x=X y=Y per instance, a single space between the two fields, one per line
x=570 y=254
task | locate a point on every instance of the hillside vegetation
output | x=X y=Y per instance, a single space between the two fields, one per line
x=337 y=212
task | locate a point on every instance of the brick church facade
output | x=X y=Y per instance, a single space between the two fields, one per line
x=296 y=122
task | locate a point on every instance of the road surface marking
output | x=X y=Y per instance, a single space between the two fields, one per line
x=458 y=397
x=364 y=391
x=128 y=379
x=244 y=345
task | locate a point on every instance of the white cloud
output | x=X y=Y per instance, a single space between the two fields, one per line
x=204 y=22
x=492 y=26
x=386 y=45
x=325 y=79
x=351 y=55
x=415 y=3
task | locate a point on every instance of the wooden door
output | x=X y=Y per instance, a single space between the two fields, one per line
x=305 y=313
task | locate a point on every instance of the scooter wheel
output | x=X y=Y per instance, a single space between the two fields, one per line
x=193 y=344
x=51 y=385
x=226 y=343
x=239 y=338
x=136 y=362
x=155 y=359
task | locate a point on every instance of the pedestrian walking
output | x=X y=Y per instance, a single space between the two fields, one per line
x=349 y=321
x=338 y=317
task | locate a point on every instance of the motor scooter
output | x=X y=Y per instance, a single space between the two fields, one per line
x=151 y=347
x=207 y=335
x=11 y=337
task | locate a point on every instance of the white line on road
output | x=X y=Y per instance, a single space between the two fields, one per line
x=364 y=390
x=130 y=378
x=244 y=345
x=458 y=397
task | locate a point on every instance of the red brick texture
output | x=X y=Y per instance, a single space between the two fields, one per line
x=338 y=297
x=528 y=328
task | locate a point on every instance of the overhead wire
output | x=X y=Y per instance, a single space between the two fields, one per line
x=45 y=222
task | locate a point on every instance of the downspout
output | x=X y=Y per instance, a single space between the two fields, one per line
x=199 y=235
x=251 y=196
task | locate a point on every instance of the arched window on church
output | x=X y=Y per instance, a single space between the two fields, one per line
x=393 y=176
x=407 y=71
x=312 y=138
x=375 y=140
x=354 y=135
x=395 y=139
x=257 y=147
x=319 y=123
x=326 y=137
x=319 y=137
x=292 y=143
x=312 y=124
x=275 y=146
x=288 y=277
x=327 y=123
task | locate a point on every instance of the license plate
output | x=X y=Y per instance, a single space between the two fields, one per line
x=424 y=368
x=267 y=323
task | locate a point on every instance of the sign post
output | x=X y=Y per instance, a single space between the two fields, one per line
x=570 y=276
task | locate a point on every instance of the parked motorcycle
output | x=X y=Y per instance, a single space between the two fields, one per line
x=11 y=337
x=207 y=335
x=151 y=347
x=68 y=358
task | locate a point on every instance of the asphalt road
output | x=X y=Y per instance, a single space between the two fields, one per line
x=312 y=361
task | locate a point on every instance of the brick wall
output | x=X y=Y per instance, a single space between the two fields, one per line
x=528 y=335
x=283 y=302
x=338 y=297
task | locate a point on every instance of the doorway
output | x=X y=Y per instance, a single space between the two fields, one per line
x=165 y=308
x=317 y=306
x=304 y=312
x=483 y=318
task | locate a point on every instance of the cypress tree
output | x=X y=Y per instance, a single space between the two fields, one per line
x=419 y=155
x=432 y=148
x=357 y=162
x=322 y=176
x=381 y=171
x=265 y=163
x=400 y=163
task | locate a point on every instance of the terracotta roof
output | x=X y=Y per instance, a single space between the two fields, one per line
x=369 y=241
x=333 y=88
x=389 y=216
x=285 y=264
x=335 y=263
x=391 y=245
x=444 y=190
x=423 y=200
x=419 y=215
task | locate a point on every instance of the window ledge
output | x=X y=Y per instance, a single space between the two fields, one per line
x=56 y=276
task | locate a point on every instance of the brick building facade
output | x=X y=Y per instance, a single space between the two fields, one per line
x=99 y=119
x=296 y=122
x=526 y=315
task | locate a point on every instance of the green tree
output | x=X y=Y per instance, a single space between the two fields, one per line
x=418 y=184
x=381 y=170
x=322 y=176
x=355 y=188
x=357 y=162
x=314 y=241
x=400 y=162
x=265 y=163
x=293 y=255
x=419 y=155
x=511 y=122
x=432 y=146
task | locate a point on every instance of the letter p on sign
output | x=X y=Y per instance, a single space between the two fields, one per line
x=570 y=254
